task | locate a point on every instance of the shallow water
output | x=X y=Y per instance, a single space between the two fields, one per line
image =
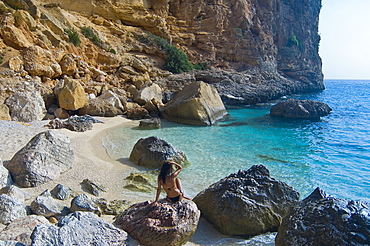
x=332 y=153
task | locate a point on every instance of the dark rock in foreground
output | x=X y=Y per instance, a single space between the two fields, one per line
x=323 y=220
x=165 y=223
x=302 y=109
x=247 y=203
x=152 y=152
x=79 y=228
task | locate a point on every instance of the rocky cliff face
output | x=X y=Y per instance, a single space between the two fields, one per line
x=254 y=50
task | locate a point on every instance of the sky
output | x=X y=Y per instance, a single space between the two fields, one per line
x=344 y=27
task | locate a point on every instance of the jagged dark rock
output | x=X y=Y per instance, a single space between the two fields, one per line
x=321 y=219
x=300 y=109
x=152 y=152
x=247 y=203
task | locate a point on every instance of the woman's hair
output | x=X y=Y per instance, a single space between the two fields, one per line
x=166 y=168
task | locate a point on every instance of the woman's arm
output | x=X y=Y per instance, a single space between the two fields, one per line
x=179 y=167
x=158 y=190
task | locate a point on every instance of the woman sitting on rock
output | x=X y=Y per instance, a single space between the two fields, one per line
x=167 y=179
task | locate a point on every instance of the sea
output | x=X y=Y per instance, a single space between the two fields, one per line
x=332 y=153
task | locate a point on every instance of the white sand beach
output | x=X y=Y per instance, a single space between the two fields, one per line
x=93 y=162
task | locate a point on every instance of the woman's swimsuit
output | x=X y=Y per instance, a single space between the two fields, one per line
x=174 y=199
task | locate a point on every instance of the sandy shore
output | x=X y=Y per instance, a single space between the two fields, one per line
x=93 y=162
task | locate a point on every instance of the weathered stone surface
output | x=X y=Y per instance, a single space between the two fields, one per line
x=11 y=209
x=324 y=220
x=162 y=224
x=141 y=182
x=154 y=123
x=108 y=104
x=301 y=109
x=44 y=158
x=137 y=113
x=11 y=243
x=152 y=152
x=26 y=106
x=21 y=229
x=40 y=62
x=14 y=191
x=71 y=95
x=63 y=192
x=84 y=203
x=68 y=64
x=80 y=123
x=16 y=64
x=80 y=229
x=196 y=104
x=148 y=93
x=5 y=178
x=115 y=207
x=61 y=113
x=4 y=112
x=93 y=187
x=47 y=206
x=247 y=203
x=14 y=37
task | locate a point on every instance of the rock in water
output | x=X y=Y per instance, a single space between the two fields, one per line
x=247 y=203
x=44 y=158
x=80 y=229
x=304 y=109
x=162 y=224
x=324 y=220
x=197 y=104
x=152 y=152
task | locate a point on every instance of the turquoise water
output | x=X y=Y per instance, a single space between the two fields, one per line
x=333 y=153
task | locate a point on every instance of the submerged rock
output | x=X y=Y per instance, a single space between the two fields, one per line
x=152 y=152
x=165 y=223
x=304 y=109
x=197 y=104
x=44 y=158
x=324 y=220
x=153 y=123
x=247 y=203
x=80 y=229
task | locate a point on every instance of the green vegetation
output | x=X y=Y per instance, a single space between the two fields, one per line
x=177 y=61
x=73 y=36
x=199 y=66
x=89 y=33
x=293 y=41
x=239 y=32
x=1 y=58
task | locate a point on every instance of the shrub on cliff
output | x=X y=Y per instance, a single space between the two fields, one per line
x=89 y=33
x=177 y=61
x=73 y=37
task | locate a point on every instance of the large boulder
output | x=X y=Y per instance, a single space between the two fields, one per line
x=301 y=109
x=247 y=203
x=108 y=104
x=26 y=106
x=21 y=229
x=40 y=62
x=71 y=94
x=148 y=93
x=196 y=104
x=44 y=158
x=324 y=220
x=11 y=208
x=14 y=37
x=80 y=229
x=165 y=223
x=151 y=152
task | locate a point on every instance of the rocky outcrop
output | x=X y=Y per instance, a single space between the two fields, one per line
x=300 y=109
x=162 y=224
x=26 y=106
x=196 y=104
x=4 y=112
x=5 y=178
x=151 y=152
x=247 y=203
x=324 y=220
x=84 y=203
x=44 y=158
x=154 y=123
x=79 y=228
x=74 y=123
